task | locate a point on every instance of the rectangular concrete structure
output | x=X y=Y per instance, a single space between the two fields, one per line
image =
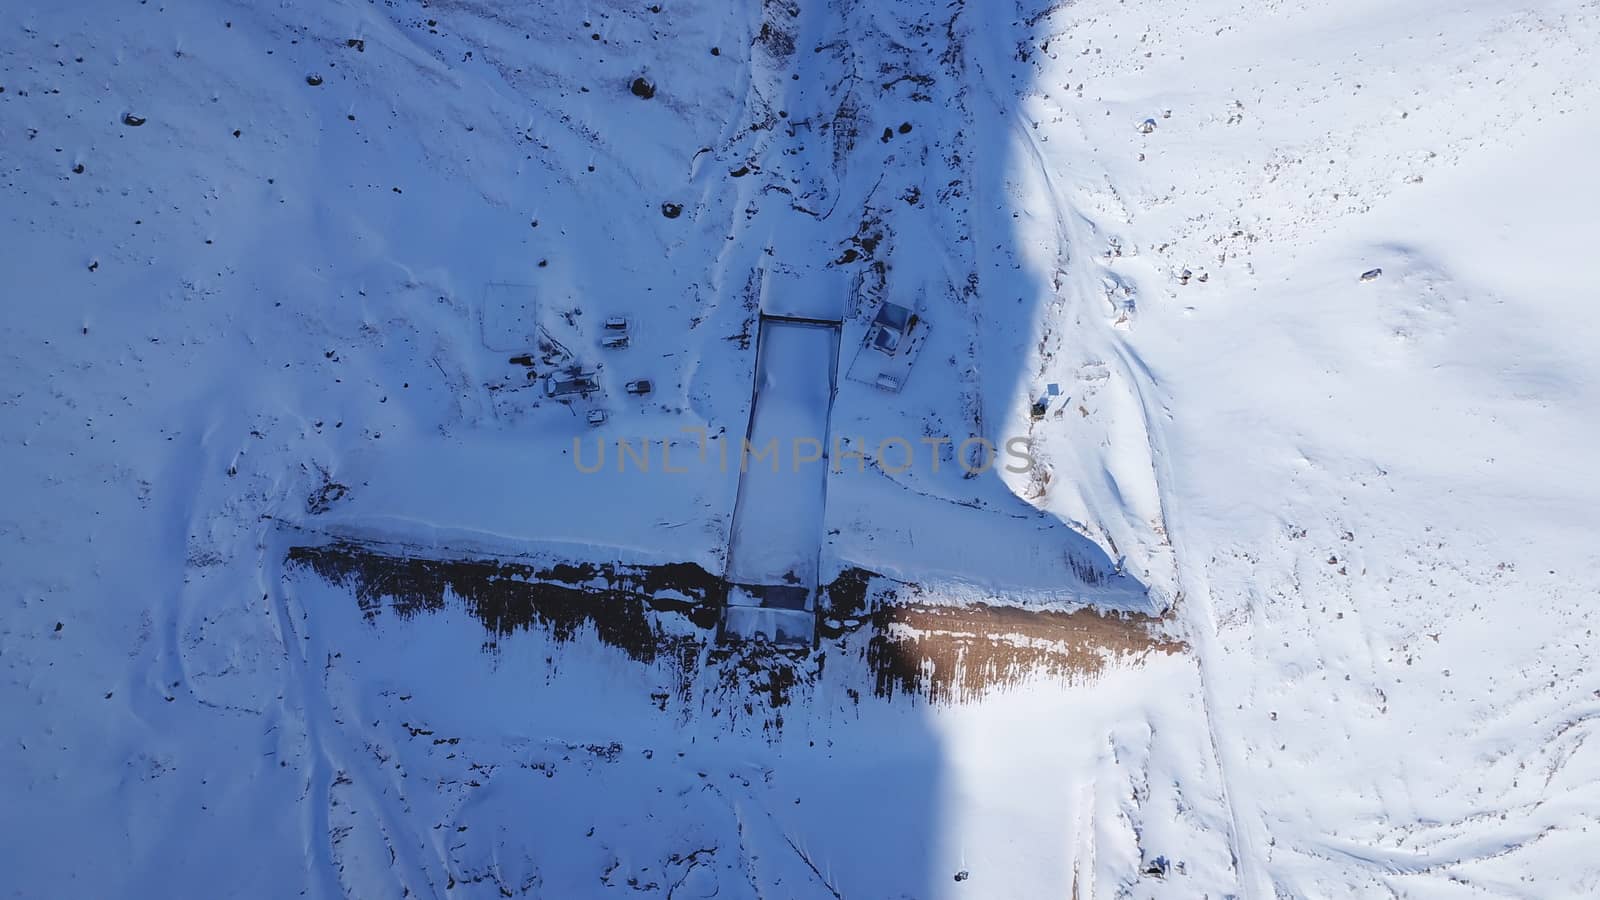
x=777 y=522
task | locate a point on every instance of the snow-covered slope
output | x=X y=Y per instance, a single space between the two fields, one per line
x=265 y=269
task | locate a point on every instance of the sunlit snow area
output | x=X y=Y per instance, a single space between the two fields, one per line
x=799 y=449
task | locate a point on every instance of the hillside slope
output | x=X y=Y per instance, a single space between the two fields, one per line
x=267 y=265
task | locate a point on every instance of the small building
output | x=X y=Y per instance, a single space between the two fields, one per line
x=568 y=384
x=889 y=347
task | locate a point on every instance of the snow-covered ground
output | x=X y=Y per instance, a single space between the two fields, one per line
x=267 y=266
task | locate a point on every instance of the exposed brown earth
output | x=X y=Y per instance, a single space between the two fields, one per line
x=954 y=654
x=621 y=603
x=943 y=653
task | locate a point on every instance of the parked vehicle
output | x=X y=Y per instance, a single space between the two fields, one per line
x=596 y=417
x=617 y=323
x=614 y=340
x=640 y=387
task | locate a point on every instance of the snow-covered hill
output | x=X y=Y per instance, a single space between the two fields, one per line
x=308 y=591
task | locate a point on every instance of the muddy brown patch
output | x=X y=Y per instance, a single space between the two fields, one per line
x=956 y=654
x=623 y=605
x=942 y=653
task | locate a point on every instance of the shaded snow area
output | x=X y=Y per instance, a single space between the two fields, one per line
x=379 y=381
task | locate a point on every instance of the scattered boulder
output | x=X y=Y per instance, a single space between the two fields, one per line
x=1147 y=126
x=1371 y=275
x=963 y=875
x=314 y=79
x=672 y=210
x=131 y=120
x=642 y=88
x=323 y=498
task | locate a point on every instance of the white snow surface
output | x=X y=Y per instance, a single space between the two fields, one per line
x=1368 y=507
x=783 y=463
